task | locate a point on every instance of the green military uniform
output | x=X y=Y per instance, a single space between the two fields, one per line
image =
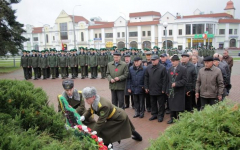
x=43 y=64
x=29 y=66
x=34 y=64
x=102 y=59
x=110 y=55
x=82 y=58
x=113 y=123
x=48 y=68
x=87 y=63
x=62 y=63
x=52 y=60
x=24 y=64
x=92 y=61
x=72 y=62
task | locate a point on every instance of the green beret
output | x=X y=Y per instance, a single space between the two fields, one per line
x=42 y=51
x=33 y=50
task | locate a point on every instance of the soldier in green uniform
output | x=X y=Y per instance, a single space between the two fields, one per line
x=48 y=68
x=75 y=99
x=62 y=63
x=72 y=63
x=43 y=63
x=38 y=68
x=57 y=68
x=110 y=55
x=87 y=53
x=113 y=123
x=34 y=64
x=92 y=60
x=24 y=64
x=134 y=54
x=29 y=67
x=82 y=61
x=102 y=58
x=52 y=61
x=156 y=51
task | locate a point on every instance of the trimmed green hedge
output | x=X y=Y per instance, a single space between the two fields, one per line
x=216 y=127
x=27 y=122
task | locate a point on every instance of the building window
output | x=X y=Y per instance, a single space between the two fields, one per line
x=133 y=34
x=188 y=29
x=35 y=38
x=95 y=35
x=53 y=38
x=197 y=28
x=235 y=31
x=118 y=34
x=47 y=38
x=209 y=28
x=230 y=31
x=179 y=31
x=82 y=36
x=149 y=33
x=143 y=33
x=123 y=34
x=221 y=31
x=164 y=32
x=108 y=35
x=100 y=35
x=63 y=31
x=170 y=32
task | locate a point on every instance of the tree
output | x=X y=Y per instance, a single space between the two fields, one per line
x=11 y=38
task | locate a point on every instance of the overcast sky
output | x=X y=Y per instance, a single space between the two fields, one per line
x=39 y=12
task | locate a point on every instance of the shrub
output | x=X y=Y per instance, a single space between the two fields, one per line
x=216 y=127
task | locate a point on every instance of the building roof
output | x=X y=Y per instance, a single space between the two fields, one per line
x=37 y=30
x=156 y=18
x=229 y=5
x=78 y=18
x=101 y=22
x=147 y=13
x=143 y=23
x=105 y=25
x=216 y=15
x=229 y=21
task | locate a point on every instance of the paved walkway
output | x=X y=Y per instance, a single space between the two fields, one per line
x=148 y=129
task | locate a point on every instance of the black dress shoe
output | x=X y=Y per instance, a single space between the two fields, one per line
x=148 y=109
x=152 y=118
x=53 y=78
x=73 y=78
x=170 y=121
x=160 y=119
x=136 y=136
x=35 y=79
x=168 y=111
x=135 y=116
x=82 y=78
x=141 y=116
x=92 y=78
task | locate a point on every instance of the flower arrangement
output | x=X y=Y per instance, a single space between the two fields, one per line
x=171 y=90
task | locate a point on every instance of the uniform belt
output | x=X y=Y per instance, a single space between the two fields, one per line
x=112 y=113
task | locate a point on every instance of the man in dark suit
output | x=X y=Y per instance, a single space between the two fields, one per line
x=177 y=80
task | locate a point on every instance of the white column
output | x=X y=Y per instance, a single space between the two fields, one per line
x=160 y=36
x=86 y=37
x=175 y=33
x=184 y=43
x=103 y=38
x=205 y=27
x=226 y=43
x=114 y=36
x=91 y=38
x=238 y=40
x=191 y=41
x=191 y=29
x=127 y=34
x=152 y=35
x=139 y=37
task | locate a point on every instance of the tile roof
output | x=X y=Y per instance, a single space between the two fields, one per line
x=105 y=25
x=229 y=21
x=78 y=18
x=143 y=23
x=147 y=13
x=217 y=15
x=37 y=30
x=229 y=5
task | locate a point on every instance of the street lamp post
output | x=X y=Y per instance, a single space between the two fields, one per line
x=74 y=34
x=125 y=28
x=165 y=24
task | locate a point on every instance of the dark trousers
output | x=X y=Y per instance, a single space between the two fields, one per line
x=139 y=104
x=26 y=73
x=48 y=72
x=63 y=71
x=82 y=71
x=39 y=72
x=166 y=99
x=53 y=72
x=76 y=71
x=44 y=73
x=118 y=98
x=174 y=114
x=57 y=72
x=189 y=102
x=158 y=105
x=93 y=72
x=207 y=101
x=67 y=72
x=30 y=72
x=73 y=72
x=148 y=101
x=35 y=73
x=127 y=100
x=103 y=72
x=86 y=71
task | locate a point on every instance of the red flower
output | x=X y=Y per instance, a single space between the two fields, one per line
x=176 y=74
x=171 y=73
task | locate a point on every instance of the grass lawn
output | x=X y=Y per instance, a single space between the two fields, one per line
x=7 y=66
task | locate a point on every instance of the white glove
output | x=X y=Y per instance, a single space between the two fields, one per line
x=82 y=118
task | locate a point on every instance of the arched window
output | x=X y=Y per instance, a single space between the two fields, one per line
x=169 y=44
x=146 y=44
x=120 y=45
x=133 y=44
